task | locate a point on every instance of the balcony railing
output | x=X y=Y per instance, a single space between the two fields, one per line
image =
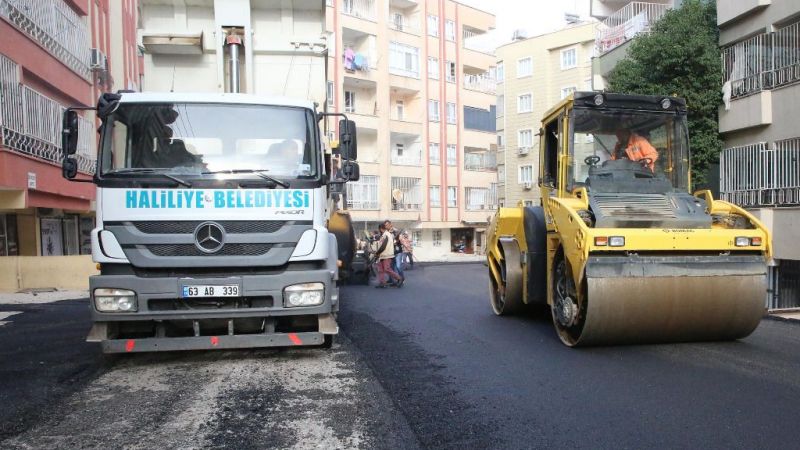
x=481 y=198
x=764 y=61
x=761 y=175
x=363 y=9
x=55 y=26
x=485 y=161
x=30 y=122
x=482 y=83
x=476 y=44
x=626 y=23
x=363 y=194
x=409 y=157
x=406 y=194
x=405 y=24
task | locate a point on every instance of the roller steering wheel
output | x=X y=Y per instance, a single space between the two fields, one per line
x=591 y=160
x=645 y=162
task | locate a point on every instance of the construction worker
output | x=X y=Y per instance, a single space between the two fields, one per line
x=635 y=148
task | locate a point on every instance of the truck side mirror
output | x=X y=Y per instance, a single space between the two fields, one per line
x=351 y=170
x=69 y=132
x=347 y=140
x=69 y=168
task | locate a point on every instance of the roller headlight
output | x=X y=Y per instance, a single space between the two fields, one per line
x=305 y=294
x=742 y=241
x=114 y=300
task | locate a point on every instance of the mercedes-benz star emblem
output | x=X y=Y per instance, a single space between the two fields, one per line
x=209 y=237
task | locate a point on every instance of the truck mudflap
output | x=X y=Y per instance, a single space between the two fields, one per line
x=655 y=299
x=269 y=338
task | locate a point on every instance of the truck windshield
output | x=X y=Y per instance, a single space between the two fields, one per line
x=628 y=151
x=199 y=138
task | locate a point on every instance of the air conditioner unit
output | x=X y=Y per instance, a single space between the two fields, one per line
x=528 y=185
x=98 y=60
x=523 y=150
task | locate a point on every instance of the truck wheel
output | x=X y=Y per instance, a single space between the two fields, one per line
x=328 y=342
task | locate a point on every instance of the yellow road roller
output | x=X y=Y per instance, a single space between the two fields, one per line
x=618 y=248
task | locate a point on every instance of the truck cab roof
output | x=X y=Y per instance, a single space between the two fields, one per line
x=204 y=97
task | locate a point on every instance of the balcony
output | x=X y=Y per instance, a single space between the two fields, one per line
x=30 y=122
x=481 y=199
x=480 y=159
x=55 y=26
x=363 y=194
x=623 y=25
x=405 y=23
x=406 y=149
x=760 y=175
x=764 y=61
x=406 y=194
x=482 y=83
x=362 y=9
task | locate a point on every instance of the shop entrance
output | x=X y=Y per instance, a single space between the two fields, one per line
x=462 y=240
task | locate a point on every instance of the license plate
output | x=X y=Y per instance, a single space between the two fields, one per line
x=218 y=290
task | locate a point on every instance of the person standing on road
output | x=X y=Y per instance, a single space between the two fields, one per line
x=397 y=265
x=385 y=253
x=408 y=249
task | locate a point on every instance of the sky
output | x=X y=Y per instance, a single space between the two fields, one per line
x=534 y=16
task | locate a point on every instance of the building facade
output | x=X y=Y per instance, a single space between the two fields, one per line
x=620 y=22
x=423 y=96
x=533 y=75
x=760 y=164
x=52 y=55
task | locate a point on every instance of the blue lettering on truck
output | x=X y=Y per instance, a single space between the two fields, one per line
x=220 y=199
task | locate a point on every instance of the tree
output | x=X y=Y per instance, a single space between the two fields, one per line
x=681 y=56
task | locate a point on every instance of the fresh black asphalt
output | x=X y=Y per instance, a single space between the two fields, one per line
x=456 y=376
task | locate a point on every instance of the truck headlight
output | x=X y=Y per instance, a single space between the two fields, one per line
x=114 y=300
x=305 y=294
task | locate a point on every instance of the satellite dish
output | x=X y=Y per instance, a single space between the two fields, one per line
x=397 y=195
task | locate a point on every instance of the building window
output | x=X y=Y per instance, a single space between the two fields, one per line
x=400 y=109
x=349 y=101
x=434 y=157
x=450 y=30
x=501 y=105
x=569 y=58
x=437 y=238
x=501 y=72
x=435 y=196
x=565 y=92
x=525 y=103
x=451 y=154
x=329 y=94
x=416 y=238
x=406 y=194
x=525 y=174
x=433 y=68
x=525 y=138
x=452 y=196
x=501 y=139
x=450 y=67
x=433 y=110
x=363 y=194
x=451 y=112
x=501 y=173
x=403 y=60
x=481 y=198
x=524 y=67
x=433 y=25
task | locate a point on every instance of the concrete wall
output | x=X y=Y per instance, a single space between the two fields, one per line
x=60 y=272
x=739 y=19
x=785 y=232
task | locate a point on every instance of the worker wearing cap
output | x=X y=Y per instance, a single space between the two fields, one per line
x=635 y=148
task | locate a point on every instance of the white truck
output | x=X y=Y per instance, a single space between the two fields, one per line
x=215 y=225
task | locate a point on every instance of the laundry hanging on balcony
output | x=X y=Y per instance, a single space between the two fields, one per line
x=355 y=61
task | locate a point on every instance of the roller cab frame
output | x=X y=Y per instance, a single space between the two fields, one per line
x=619 y=249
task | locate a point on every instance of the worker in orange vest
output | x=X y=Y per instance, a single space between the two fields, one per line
x=636 y=148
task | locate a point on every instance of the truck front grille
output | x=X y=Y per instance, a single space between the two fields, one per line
x=210 y=303
x=192 y=250
x=188 y=227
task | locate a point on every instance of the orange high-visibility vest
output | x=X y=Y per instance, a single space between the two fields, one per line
x=639 y=148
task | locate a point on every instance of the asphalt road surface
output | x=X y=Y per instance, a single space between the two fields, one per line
x=424 y=366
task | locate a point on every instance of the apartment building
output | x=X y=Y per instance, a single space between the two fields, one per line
x=533 y=75
x=620 y=22
x=760 y=164
x=423 y=96
x=52 y=55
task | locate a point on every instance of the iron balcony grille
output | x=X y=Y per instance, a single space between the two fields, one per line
x=761 y=174
x=185 y=250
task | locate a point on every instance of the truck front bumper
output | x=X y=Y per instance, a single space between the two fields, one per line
x=165 y=320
